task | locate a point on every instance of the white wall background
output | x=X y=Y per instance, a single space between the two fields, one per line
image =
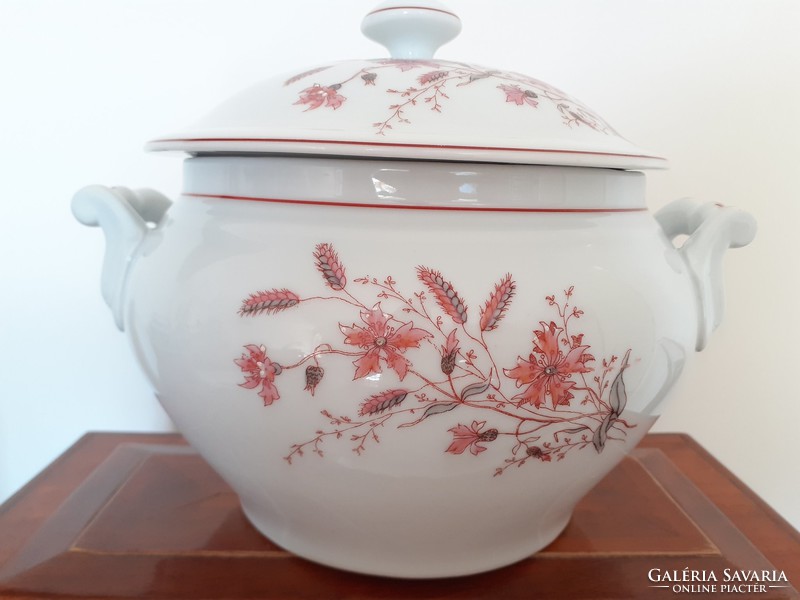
x=712 y=84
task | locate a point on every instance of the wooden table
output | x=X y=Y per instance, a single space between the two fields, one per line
x=143 y=516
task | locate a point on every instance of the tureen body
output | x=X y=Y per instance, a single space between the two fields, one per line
x=407 y=367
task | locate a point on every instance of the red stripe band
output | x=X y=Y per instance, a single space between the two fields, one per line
x=416 y=207
x=439 y=10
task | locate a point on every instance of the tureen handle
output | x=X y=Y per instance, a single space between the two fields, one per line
x=125 y=217
x=411 y=29
x=712 y=229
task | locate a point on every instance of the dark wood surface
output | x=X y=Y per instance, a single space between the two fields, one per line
x=143 y=516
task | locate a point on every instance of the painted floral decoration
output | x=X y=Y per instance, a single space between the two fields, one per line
x=259 y=371
x=318 y=95
x=432 y=88
x=382 y=341
x=558 y=398
x=470 y=438
x=518 y=96
x=548 y=370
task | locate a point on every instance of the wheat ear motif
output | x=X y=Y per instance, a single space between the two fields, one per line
x=497 y=304
x=447 y=298
x=380 y=402
x=330 y=266
x=268 y=301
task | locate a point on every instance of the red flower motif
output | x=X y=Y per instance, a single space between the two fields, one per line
x=518 y=96
x=259 y=370
x=381 y=340
x=470 y=437
x=449 y=352
x=548 y=370
x=317 y=95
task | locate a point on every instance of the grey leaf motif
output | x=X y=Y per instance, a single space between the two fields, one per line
x=433 y=409
x=474 y=389
x=474 y=77
x=601 y=433
x=575 y=430
x=618 y=397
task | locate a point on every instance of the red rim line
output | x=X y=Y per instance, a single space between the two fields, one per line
x=439 y=10
x=415 y=207
x=407 y=145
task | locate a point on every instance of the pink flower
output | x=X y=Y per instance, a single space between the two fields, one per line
x=259 y=370
x=552 y=92
x=470 y=437
x=382 y=341
x=317 y=95
x=449 y=352
x=451 y=344
x=518 y=96
x=548 y=370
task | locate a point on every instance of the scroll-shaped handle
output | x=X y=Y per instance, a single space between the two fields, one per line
x=712 y=229
x=125 y=217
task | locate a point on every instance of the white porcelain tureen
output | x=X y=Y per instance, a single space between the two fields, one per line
x=411 y=310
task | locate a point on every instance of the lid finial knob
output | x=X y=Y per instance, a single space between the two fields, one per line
x=411 y=29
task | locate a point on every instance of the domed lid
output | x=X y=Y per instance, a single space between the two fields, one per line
x=412 y=106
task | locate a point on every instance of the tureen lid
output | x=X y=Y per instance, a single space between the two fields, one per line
x=411 y=106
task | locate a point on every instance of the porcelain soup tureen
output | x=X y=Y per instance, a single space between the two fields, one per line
x=410 y=309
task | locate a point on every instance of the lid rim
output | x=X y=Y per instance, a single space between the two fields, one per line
x=409 y=150
x=152 y=145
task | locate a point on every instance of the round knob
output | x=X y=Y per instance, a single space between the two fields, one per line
x=411 y=29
